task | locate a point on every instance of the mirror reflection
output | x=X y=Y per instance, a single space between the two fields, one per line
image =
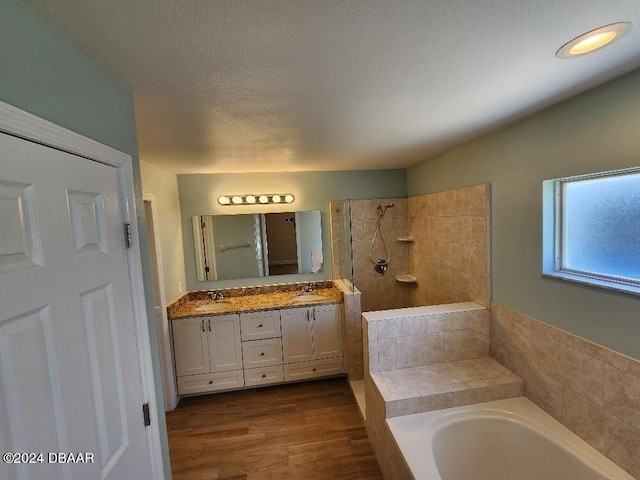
x=257 y=245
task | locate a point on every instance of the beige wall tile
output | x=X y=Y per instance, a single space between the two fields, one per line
x=622 y=395
x=443 y=322
x=479 y=230
x=472 y=200
x=589 y=388
x=466 y=344
x=571 y=368
x=478 y=395
x=612 y=436
x=615 y=359
x=403 y=326
x=419 y=350
x=386 y=354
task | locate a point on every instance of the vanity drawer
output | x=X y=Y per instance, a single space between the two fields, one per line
x=262 y=353
x=210 y=382
x=313 y=369
x=259 y=325
x=263 y=376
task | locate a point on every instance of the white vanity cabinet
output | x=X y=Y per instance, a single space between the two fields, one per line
x=208 y=353
x=225 y=352
x=262 y=347
x=312 y=342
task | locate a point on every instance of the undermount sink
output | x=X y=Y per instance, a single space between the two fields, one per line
x=213 y=307
x=306 y=297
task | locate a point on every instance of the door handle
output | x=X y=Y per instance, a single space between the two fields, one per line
x=209 y=324
x=202 y=324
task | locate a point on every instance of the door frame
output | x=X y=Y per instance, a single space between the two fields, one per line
x=164 y=333
x=24 y=125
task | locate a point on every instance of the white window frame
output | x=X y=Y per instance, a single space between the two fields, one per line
x=553 y=220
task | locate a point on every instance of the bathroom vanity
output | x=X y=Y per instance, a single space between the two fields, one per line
x=252 y=337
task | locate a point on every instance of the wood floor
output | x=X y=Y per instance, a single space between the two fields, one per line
x=301 y=431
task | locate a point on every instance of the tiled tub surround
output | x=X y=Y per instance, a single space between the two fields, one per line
x=246 y=299
x=422 y=359
x=594 y=391
x=450 y=256
x=426 y=358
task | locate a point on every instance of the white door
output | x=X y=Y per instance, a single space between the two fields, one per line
x=297 y=344
x=191 y=346
x=69 y=368
x=327 y=331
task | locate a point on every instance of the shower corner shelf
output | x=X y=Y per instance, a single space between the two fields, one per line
x=407 y=278
x=406 y=238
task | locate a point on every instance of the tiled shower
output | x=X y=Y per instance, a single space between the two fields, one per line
x=441 y=239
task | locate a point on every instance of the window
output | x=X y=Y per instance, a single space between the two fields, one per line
x=591 y=229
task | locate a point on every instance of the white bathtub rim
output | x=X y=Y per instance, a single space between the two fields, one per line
x=416 y=443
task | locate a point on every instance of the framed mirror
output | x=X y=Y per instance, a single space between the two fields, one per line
x=257 y=245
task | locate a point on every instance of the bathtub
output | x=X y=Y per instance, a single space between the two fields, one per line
x=509 y=439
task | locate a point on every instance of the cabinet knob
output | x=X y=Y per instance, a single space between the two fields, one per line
x=210 y=382
x=264 y=376
x=262 y=354
x=313 y=370
x=260 y=326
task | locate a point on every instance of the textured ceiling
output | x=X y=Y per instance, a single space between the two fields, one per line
x=303 y=85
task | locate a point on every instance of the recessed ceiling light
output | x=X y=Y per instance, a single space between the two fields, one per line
x=593 y=40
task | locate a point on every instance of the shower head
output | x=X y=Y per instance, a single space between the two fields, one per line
x=383 y=210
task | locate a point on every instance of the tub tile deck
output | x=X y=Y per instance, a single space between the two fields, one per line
x=442 y=385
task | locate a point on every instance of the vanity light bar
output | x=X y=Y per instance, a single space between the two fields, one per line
x=256 y=199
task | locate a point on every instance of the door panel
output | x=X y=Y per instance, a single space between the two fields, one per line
x=327 y=332
x=191 y=346
x=296 y=335
x=63 y=272
x=26 y=381
x=225 y=351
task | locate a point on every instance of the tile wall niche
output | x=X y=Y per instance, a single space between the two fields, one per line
x=380 y=291
x=451 y=254
x=592 y=390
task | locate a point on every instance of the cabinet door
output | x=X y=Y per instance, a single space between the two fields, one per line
x=297 y=345
x=191 y=349
x=225 y=350
x=327 y=331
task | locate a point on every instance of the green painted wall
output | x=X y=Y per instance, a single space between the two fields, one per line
x=313 y=191
x=44 y=74
x=163 y=185
x=596 y=131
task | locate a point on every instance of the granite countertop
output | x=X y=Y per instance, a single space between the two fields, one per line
x=238 y=301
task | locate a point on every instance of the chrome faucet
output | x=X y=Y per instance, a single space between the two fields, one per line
x=215 y=296
x=307 y=289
